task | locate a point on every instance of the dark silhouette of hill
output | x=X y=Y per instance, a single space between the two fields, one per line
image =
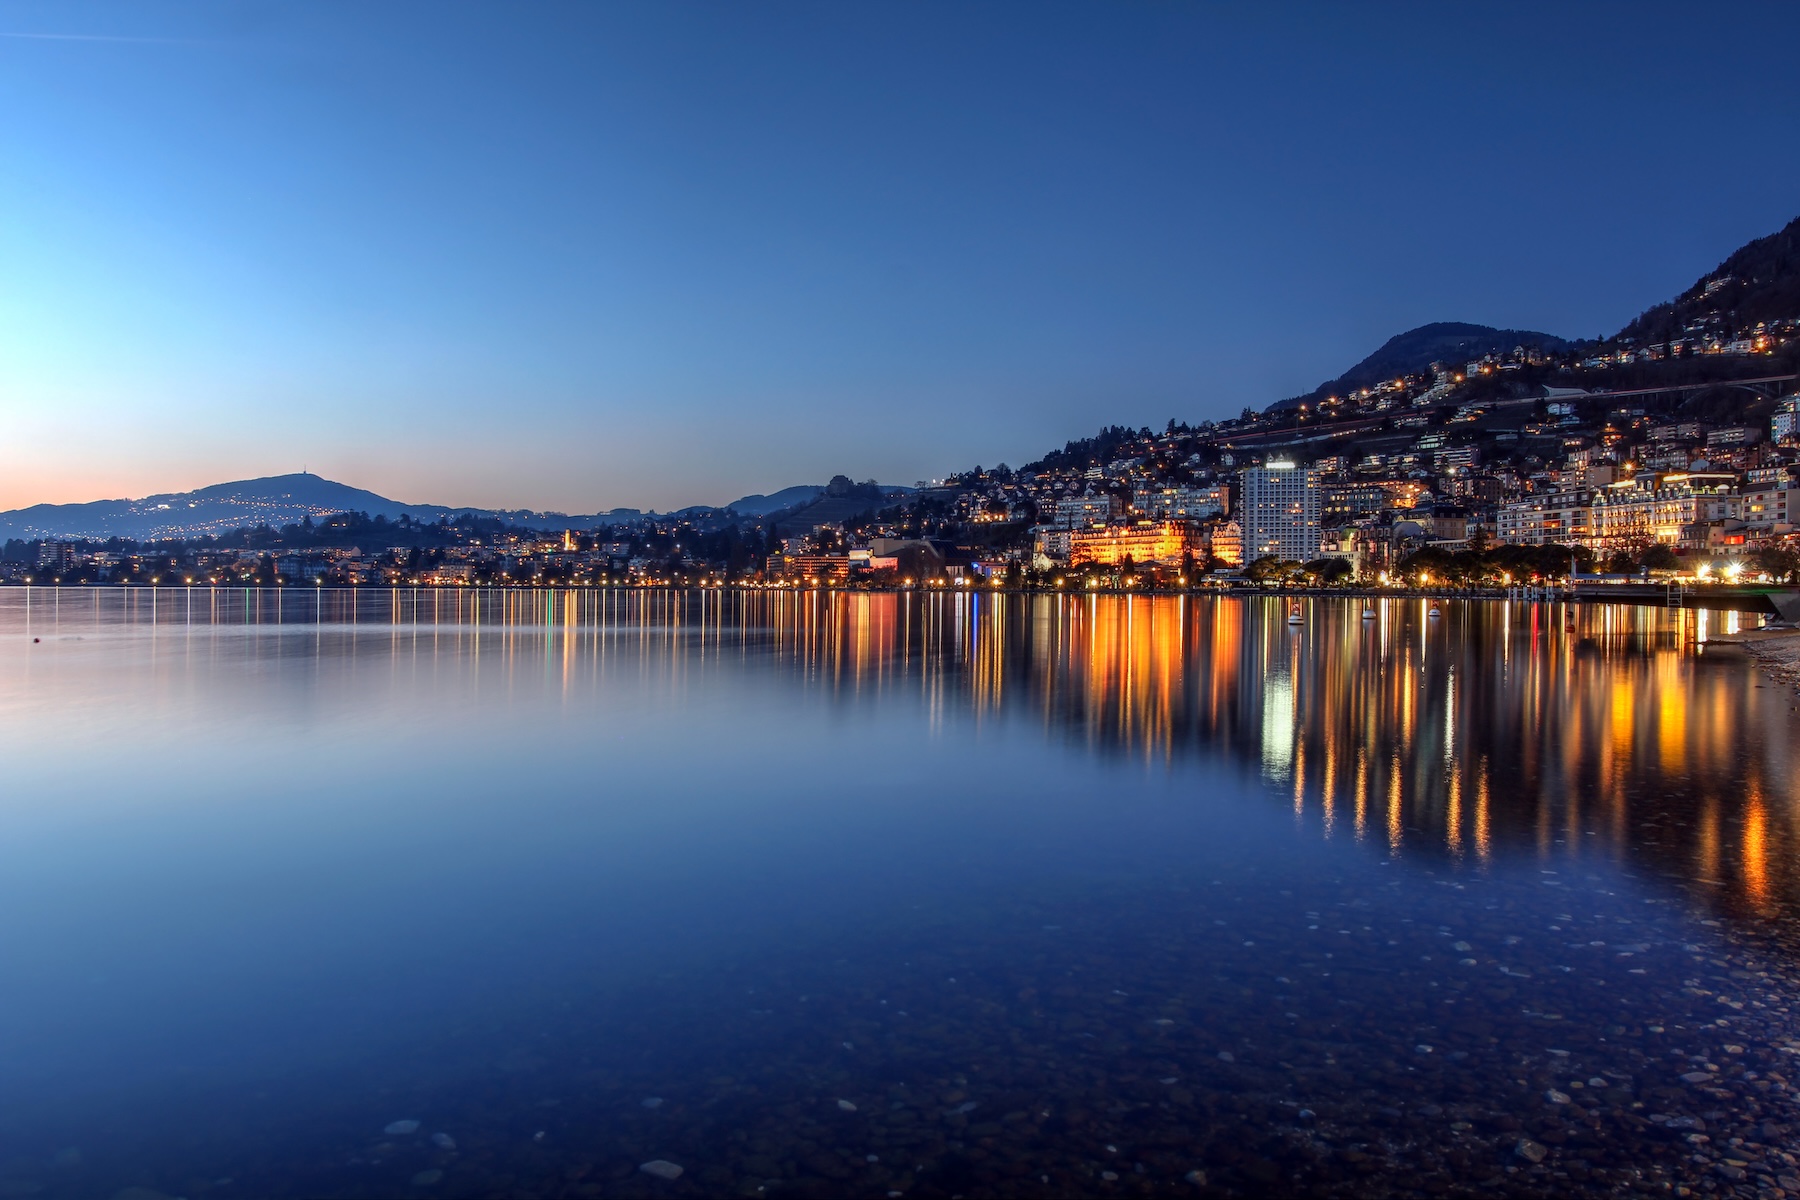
x=1413 y=352
x=838 y=502
x=1759 y=282
x=279 y=500
x=275 y=501
x=761 y=505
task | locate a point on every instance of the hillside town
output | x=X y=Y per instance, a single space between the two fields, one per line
x=1671 y=450
x=1601 y=480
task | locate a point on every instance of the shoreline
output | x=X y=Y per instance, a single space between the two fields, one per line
x=1776 y=653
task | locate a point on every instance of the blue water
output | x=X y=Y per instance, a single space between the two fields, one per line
x=870 y=894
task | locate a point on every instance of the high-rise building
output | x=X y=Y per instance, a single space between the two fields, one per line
x=56 y=556
x=1785 y=424
x=1280 y=512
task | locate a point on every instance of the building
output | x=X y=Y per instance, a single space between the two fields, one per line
x=56 y=556
x=1784 y=426
x=1227 y=543
x=1050 y=544
x=1078 y=512
x=1280 y=512
x=1186 y=503
x=1675 y=511
x=810 y=568
x=1556 y=518
x=1769 y=508
x=1166 y=542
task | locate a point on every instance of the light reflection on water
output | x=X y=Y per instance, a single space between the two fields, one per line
x=1574 y=730
x=456 y=806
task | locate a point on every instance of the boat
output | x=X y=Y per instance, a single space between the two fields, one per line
x=1294 y=617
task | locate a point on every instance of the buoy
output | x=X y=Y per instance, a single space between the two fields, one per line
x=1434 y=612
x=1368 y=613
x=1294 y=617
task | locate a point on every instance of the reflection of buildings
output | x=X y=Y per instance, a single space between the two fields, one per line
x=1582 y=733
x=1496 y=730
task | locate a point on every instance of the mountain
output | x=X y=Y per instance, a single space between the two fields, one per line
x=835 y=503
x=1759 y=282
x=810 y=497
x=1413 y=352
x=788 y=497
x=279 y=500
x=275 y=500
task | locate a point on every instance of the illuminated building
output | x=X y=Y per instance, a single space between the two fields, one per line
x=1280 y=513
x=1627 y=516
x=1144 y=542
x=1078 y=512
x=1784 y=426
x=1227 y=543
x=1560 y=518
x=825 y=568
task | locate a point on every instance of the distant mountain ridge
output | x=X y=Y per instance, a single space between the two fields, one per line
x=278 y=500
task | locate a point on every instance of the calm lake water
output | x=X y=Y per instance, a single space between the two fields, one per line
x=509 y=894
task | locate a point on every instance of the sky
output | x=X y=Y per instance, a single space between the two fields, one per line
x=581 y=256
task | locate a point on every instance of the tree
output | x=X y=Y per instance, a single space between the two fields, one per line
x=1780 y=563
x=1659 y=558
x=1330 y=571
x=1267 y=569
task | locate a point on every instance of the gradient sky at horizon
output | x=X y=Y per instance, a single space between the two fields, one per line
x=579 y=256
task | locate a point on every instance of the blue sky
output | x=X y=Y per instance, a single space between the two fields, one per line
x=593 y=255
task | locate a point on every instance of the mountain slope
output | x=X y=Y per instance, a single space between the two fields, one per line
x=276 y=500
x=1759 y=282
x=1413 y=352
x=788 y=497
x=279 y=500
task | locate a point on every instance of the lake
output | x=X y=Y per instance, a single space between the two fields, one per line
x=456 y=893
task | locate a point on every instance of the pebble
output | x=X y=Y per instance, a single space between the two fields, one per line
x=443 y=1141
x=846 y=1106
x=662 y=1168
x=427 y=1178
x=1697 y=1077
x=1556 y=1097
x=1530 y=1151
x=397 y=1128
x=653 y=1102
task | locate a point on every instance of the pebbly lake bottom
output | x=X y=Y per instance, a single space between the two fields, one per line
x=1335 y=1029
x=864 y=896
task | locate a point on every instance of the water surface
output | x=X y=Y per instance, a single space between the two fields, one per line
x=863 y=894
